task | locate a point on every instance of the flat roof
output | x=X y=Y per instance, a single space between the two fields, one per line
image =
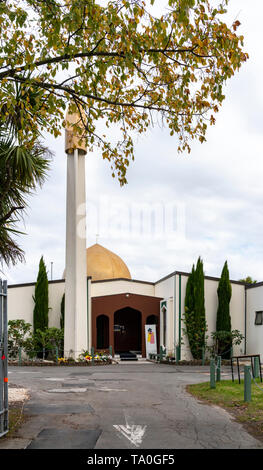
x=255 y=284
x=212 y=278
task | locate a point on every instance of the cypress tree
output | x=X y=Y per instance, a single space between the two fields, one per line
x=62 y=312
x=199 y=300
x=223 y=319
x=189 y=308
x=195 y=310
x=40 y=314
x=189 y=293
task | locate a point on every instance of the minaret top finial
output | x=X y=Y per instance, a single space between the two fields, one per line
x=75 y=131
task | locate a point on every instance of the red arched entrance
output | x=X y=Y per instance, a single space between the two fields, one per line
x=128 y=305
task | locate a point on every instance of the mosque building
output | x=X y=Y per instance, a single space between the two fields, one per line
x=105 y=308
x=119 y=307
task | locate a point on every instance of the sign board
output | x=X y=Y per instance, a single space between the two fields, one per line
x=150 y=340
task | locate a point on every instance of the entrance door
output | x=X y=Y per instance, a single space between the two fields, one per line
x=154 y=320
x=127 y=330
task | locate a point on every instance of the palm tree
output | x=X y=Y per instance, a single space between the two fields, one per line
x=23 y=166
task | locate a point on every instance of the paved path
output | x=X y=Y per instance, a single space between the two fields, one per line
x=124 y=406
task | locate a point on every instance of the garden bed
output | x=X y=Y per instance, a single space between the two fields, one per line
x=39 y=363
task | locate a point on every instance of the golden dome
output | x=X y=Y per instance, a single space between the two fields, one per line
x=104 y=264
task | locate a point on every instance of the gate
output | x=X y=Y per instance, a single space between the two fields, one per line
x=3 y=360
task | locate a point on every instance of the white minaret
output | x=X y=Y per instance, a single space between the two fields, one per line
x=76 y=322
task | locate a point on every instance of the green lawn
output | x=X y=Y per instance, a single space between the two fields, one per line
x=230 y=395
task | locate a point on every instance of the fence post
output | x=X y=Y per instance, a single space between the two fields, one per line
x=218 y=369
x=20 y=356
x=212 y=374
x=161 y=353
x=5 y=325
x=247 y=384
x=4 y=420
x=177 y=354
x=256 y=367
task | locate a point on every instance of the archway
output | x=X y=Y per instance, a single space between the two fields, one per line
x=102 y=325
x=152 y=320
x=127 y=330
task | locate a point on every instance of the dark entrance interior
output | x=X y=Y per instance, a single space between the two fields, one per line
x=127 y=330
x=154 y=320
x=102 y=332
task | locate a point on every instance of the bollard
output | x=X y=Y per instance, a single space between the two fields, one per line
x=256 y=367
x=247 y=384
x=218 y=369
x=177 y=354
x=110 y=351
x=20 y=356
x=203 y=356
x=212 y=374
x=56 y=354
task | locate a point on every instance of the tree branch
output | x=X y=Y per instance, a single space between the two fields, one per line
x=8 y=215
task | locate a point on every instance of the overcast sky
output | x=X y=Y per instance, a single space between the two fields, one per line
x=208 y=203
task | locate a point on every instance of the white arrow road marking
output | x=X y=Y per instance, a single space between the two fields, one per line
x=68 y=390
x=105 y=389
x=133 y=432
x=54 y=379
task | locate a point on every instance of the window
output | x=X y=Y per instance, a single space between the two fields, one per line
x=259 y=318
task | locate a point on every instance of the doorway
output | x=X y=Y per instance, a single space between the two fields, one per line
x=127 y=330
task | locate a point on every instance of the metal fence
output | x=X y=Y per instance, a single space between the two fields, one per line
x=3 y=359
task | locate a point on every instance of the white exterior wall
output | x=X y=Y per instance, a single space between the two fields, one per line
x=254 y=332
x=237 y=312
x=165 y=290
x=185 y=351
x=121 y=287
x=20 y=303
x=55 y=291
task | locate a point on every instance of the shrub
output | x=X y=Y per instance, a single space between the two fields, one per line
x=18 y=335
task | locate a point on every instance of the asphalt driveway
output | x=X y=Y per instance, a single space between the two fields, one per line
x=123 y=406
